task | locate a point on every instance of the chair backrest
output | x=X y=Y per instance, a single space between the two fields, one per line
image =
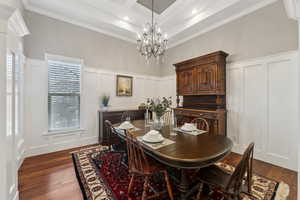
x=236 y=179
x=201 y=124
x=127 y=116
x=110 y=132
x=137 y=160
x=168 y=117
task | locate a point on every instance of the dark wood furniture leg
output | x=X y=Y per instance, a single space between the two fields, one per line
x=184 y=184
x=199 y=191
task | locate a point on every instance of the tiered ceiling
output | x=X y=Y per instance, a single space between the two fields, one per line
x=180 y=19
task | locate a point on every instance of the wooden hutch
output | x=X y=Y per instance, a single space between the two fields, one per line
x=201 y=82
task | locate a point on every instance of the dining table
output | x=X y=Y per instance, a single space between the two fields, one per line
x=186 y=152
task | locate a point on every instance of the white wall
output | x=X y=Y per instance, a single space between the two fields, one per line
x=95 y=83
x=262 y=104
x=100 y=51
x=263 y=107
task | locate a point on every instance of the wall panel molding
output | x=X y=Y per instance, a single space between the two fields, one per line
x=273 y=101
x=95 y=83
x=237 y=95
x=248 y=84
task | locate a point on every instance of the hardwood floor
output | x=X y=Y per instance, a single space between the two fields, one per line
x=52 y=177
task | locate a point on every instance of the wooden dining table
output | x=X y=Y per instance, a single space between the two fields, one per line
x=187 y=152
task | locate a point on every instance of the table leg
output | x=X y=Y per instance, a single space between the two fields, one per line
x=184 y=184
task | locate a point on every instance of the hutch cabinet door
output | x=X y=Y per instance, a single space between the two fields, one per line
x=205 y=79
x=185 y=82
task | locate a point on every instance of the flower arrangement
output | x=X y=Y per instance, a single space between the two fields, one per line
x=105 y=100
x=159 y=106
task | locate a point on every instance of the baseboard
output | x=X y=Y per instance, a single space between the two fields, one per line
x=13 y=193
x=262 y=157
x=59 y=146
x=16 y=196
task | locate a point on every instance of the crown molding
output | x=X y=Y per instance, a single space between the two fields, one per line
x=130 y=38
x=74 y=22
x=17 y=24
x=292 y=8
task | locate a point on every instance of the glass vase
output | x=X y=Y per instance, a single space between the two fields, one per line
x=158 y=123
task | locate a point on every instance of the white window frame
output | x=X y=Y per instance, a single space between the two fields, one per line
x=58 y=58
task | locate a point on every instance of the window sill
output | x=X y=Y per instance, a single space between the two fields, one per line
x=64 y=132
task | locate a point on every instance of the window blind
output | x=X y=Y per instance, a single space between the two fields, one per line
x=63 y=95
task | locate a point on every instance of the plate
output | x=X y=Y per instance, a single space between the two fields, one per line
x=188 y=130
x=148 y=140
x=126 y=126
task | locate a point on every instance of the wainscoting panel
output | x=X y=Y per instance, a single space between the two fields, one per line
x=262 y=104
x=167 y=88
x=95 y=83
x=234 y=104
x=254 y=107
x=262 y=98
x=282 y=104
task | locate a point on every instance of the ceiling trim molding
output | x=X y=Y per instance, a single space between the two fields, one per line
x=225 y=21
x=74 y=22
x=292 y=8
x=17 y=24
x=172 y=44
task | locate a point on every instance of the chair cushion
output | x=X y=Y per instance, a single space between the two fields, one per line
x=214 y=175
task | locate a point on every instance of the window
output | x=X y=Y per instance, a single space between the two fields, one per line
x=64 y=80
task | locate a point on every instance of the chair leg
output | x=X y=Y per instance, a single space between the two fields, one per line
x=237 y=197
x=199 y=191
x=249 y=181
x=131 y=184
x=146 y=183
x=168 y=185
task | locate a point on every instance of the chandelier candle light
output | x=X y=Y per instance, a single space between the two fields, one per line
x=152 y=42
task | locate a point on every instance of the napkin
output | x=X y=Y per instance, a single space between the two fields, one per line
x=126 y=125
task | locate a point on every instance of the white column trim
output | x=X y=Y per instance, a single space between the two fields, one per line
x=299 y=109
x=292 y=8
x=17 y=24
x=3 y=38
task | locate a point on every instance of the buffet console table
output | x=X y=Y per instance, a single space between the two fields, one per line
x=114 y=116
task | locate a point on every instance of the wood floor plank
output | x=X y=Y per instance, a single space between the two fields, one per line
x=52 y=177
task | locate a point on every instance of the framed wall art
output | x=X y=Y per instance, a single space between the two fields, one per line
x=124 y=85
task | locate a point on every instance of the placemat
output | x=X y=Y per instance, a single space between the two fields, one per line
x=198 y=132
x=155 y=146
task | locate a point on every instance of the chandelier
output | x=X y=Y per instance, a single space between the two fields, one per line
x=152 y=42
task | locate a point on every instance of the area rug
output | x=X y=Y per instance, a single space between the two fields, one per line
x=101 y=177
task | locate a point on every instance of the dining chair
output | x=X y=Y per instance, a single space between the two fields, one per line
x=230 y=185
x=127 y=116
x=139 y=164
x=113 y=139
x=201 y=124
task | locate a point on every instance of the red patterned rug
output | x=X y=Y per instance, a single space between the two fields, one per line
x=101 y=177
